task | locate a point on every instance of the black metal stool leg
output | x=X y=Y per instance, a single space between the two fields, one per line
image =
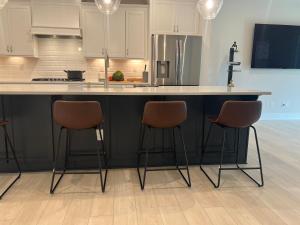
x=139 y=152
x=102 y=180
x=67 y=152
x=53 y=187
x=205 y=145
x=15 y=159
x=104 y=154
x=173 y=140
x=217 y=185
x=261 y=184
x=188 y=181
x=6 y=150
x=143 y=180
x=236 y=145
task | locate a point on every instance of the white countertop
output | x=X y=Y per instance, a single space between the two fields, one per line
x=85 y=89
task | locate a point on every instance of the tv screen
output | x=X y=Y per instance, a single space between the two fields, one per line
x=276 y=46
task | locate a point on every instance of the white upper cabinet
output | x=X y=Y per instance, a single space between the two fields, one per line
x=127 y=32
x=136 y=33
x=163 y=16
x=187 y=18
x=17 y=39
x=175 y=17
x=117 y=42
x=53 y=14
x=93 y=24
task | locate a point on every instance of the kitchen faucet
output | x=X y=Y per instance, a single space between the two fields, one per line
x=106 y=69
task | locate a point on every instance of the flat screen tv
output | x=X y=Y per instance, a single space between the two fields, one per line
x=276 y=46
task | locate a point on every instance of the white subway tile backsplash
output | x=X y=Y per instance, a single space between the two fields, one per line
x=57 y=55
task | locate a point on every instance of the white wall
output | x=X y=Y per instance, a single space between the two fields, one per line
x=236 y=23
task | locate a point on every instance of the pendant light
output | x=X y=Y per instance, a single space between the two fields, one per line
x=209 y=9
x=2 y=3
x=108 y=7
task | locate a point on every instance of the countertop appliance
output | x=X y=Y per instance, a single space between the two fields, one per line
x=75 y=75
x=176 y=60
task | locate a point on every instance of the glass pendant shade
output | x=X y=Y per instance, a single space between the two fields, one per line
x=2 y=3
x=107 y=7
x=209 y=9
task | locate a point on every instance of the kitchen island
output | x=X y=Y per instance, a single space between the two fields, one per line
x=28 y=109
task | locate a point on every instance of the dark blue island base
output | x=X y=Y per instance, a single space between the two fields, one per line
x=30 y=127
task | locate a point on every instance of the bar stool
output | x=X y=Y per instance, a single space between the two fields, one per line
x=165 y=115
x=76 y=116
x=235 y=115
x=3 y=124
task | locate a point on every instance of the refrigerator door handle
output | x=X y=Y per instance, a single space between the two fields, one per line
x=177 y=61
x=179 y=78
x=181 y=62
x=154 y=60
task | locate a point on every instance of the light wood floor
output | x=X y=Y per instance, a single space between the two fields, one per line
x=166 y=201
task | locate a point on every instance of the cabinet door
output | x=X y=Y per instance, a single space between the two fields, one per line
x=187 y=18
x=117 y=34
x=93 y=33
x=136 y=33
x=163 y=17
x=3 y=45
x=49 y=14
x=19 y=26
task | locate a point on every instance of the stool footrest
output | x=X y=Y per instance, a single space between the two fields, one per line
x=77 y=172
x=169 y=149
x=85 y=154
x=167 y=169
x=66 y=170
x=240 y=168
x=156 y=152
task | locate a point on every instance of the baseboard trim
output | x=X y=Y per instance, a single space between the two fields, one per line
x=280 y=116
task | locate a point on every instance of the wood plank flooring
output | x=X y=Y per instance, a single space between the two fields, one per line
x=166 y=200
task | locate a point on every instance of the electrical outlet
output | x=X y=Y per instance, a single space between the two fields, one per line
x=98 y=134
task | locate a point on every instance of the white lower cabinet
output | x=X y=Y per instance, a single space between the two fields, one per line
x=15 y=37
x=128 y=29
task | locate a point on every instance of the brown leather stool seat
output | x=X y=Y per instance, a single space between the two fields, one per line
x=238 y=114
x=164 y=115
x=235 y=115
x=78 y=115
x=3 y=124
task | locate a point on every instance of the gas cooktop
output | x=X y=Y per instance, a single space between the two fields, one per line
x=46 y=79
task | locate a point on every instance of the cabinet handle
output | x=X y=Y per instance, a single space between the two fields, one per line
x=127 y=51
x=11 y=49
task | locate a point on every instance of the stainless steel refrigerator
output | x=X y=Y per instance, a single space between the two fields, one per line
x=176 y=60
